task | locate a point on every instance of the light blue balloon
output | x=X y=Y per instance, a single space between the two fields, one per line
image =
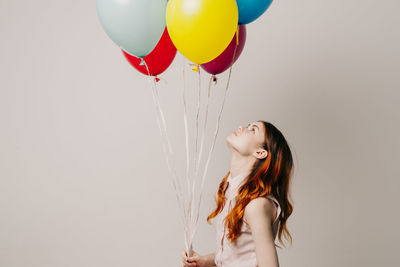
x=250 y=10
x=135 y=26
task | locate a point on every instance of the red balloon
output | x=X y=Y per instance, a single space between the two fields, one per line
x=158 y=60
x=224 y=60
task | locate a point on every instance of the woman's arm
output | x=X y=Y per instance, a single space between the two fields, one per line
x=210 y=259
x=258 y=213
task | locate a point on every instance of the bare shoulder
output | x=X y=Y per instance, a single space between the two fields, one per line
x=258 y=208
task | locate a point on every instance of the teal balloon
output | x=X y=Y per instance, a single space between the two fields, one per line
x=250 y=10
x=135 y=26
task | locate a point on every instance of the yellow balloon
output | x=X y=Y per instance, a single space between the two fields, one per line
x=201 y=29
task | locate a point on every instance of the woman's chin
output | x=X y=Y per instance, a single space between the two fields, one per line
x=228 y=140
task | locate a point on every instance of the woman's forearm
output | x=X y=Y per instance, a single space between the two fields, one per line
x=210 y=259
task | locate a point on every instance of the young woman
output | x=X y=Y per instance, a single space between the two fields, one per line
x=252 y=200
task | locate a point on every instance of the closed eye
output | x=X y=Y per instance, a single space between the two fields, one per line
x=252 y=129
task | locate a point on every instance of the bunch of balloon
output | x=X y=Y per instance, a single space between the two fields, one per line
x=209 y=33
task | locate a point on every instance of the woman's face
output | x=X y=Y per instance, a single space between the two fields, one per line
x=248 y=140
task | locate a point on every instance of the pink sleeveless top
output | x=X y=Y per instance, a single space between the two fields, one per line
x=241 y=254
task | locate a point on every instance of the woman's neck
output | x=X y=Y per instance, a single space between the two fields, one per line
x=240 y=164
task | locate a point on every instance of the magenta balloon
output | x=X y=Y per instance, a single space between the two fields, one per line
x=224 y=60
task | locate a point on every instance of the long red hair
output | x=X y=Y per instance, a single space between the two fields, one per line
x=271 y=175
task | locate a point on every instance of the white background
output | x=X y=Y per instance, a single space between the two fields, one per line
x=83 y=179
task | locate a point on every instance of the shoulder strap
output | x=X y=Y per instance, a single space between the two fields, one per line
x=277 y=206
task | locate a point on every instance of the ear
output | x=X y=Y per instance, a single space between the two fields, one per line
x=260 y=153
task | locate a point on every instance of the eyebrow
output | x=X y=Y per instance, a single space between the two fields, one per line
x=254 y=125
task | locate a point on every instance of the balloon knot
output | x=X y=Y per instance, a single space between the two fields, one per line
x=157 y=79
x=214 y=78
x=196 y=68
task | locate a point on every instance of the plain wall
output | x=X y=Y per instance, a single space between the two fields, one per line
x=83 y=178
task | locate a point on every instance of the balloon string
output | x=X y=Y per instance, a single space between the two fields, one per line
x=205 y=125
x=187 y=234
x=192 y=228
x=217 y=128
x=197 y=117
x=185 y=219
x=196 y=146
x=202 y=145
x=165 y=139
x=161 y=115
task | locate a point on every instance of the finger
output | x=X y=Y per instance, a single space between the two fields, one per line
x=183 y=253
x=189 y=264
x=193 y=259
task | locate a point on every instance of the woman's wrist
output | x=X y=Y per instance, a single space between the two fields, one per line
x=210 y=259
